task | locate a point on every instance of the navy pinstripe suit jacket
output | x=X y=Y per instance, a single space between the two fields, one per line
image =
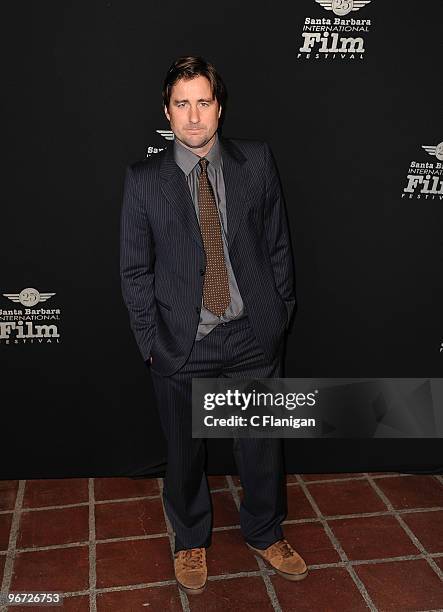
x=162 y=260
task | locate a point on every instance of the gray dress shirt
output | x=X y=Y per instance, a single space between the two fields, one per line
x=188 y=162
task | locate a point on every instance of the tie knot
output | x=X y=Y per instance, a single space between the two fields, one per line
x=203 y=163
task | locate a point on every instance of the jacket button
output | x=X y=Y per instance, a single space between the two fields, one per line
x=197 y=309
x=201 y=271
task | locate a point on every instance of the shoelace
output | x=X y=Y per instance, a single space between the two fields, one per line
x=285 y=548
x=192 y=558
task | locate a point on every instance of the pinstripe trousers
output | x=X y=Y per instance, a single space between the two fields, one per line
x=229 y=350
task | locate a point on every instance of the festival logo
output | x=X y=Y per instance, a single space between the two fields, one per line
x=21 y=325
x=342 y=7
x=424 y=179
x=322 y=36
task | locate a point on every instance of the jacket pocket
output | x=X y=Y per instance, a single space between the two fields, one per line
x=163 y=304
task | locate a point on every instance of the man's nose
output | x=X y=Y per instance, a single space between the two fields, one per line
x=194 y=115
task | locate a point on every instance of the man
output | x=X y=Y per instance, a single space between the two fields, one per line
x=207 y=277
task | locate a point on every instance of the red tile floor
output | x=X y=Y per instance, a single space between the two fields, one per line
x=372 y=542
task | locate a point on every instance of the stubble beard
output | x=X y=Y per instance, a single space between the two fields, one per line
x=192 y=144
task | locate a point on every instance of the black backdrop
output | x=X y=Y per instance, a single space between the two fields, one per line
x=82 y=85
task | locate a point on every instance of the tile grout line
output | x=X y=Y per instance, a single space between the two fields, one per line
x=118 y=500
x=13 y=535
x=332 y=517
x=349 y=478
x=251 y=573
x=263 y=569
x=183 y=597
x=85 y=503
x=415 y=510
x=338 y=547
x=339 y=517
x=386 y=559
x=302 y=521
x=213 y=490
x=92 y=549
x=227 y=490
x=406 y=528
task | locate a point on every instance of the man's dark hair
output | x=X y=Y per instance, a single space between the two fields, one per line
x=188 y=67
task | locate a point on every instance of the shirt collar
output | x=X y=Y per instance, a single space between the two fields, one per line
x=187 y=160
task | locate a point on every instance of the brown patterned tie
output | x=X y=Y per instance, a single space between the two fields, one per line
x=216 y=296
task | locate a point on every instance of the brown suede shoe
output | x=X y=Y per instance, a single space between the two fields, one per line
x=190 y=570
x=283 y=559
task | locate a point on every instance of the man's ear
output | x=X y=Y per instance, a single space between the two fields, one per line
x=166 y=113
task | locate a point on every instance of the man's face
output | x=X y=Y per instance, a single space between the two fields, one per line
x=192 y=112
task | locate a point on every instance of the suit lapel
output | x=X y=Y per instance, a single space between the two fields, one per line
x=176 y=190
x=236 y=179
